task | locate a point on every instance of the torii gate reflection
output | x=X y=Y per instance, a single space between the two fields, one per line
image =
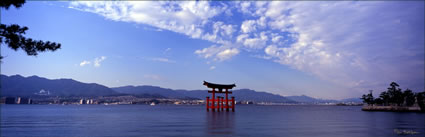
x=220 y=103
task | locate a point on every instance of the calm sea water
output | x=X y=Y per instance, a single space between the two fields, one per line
x=172 y=120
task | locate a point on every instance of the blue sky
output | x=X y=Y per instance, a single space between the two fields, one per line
x=329 y=50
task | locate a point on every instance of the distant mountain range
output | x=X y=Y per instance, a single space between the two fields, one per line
x=241 y=94
x=17 y=85
x=307 y=99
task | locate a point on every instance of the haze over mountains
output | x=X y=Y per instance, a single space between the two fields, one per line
x=17 y=85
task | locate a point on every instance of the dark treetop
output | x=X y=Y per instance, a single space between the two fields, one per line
x=13 y=35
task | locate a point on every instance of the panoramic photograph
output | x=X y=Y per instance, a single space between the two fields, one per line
x=212 y=68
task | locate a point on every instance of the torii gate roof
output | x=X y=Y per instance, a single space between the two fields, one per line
x=219 y=86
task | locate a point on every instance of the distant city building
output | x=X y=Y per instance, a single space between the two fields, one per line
x=86 y=101
x=25 y=101
x=10 y=100
x=18 y=100
x=82 y=101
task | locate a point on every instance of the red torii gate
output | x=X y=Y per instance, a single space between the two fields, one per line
x=220 y=103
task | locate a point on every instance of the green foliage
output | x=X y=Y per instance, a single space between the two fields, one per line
x=379 y=101
x=368 y=98
x=421 y=100
x=395 y=96
x=409 y=97
x=385 y=98
x=7 y=3
x=13 y=35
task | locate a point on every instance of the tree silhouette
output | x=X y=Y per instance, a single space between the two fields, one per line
x=421 y=100
x=396 y=96
x=7 y=3
x=12 y=35
x=368 y=98
x=385 y=98
x=409 y=97
x=379 y=101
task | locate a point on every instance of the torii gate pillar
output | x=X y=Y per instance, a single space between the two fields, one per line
x=220 y=103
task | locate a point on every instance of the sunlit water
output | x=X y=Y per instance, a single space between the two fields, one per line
x=172 y=120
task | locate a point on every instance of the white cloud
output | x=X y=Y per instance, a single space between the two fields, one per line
x=340 y=49
x=83 y=63
x=245 y=7
x=98 y=60
x=227 y=54
x=218 y=53
x=262 y=22
x=248 y=26
x=212 y=67
x=313 y=37
x=251 y=25
x=166 y=60
x=185 y=17
x=257 y=42
x=221 y=33
x=208 y=52
x=251 y=8
x=272 y=50
x=241 y=38
x=254 y=43
x=276 y=38
x=225 y=30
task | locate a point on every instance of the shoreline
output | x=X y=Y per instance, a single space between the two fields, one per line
x=392 y=108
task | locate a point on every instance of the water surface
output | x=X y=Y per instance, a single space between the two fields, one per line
x=173 y=120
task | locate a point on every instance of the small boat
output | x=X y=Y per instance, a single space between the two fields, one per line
x=153 y=104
